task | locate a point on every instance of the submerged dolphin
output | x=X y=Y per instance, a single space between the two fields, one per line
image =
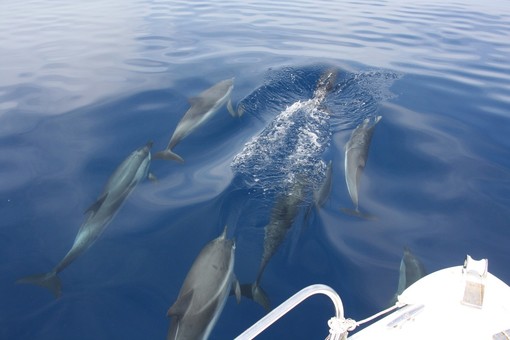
x=356 y=154
x=282 y=217
x=411 y=270
x=204 y=291
x=119 y=186
x=202 y=108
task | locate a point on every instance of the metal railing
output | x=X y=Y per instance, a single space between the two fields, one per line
x=293 y=301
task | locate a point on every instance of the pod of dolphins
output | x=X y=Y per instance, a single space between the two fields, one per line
x=211 y=278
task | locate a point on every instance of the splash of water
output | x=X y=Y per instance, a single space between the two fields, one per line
x=290 y=146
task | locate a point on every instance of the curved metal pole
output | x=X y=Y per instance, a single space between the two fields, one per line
x=289 y=304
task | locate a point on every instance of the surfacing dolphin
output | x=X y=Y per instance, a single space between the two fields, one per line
x=282 y=217
x=325 y=84
x=119 y=186
x=204 y=291
x=203 y=107
x=356 y=154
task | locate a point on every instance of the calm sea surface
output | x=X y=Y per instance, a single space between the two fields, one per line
x=83 y=84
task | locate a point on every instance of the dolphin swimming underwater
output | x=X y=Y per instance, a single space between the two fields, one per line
x=282 y=217
x=119 y=186
x=203 y=107
x=204 y=291
x=411 y=270
x=356 y=154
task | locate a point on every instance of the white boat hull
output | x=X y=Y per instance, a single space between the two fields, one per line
x=439 y=311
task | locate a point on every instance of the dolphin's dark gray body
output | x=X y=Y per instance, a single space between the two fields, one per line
x=356 y=154
x=119 y=186
x=287 y=206
x=204 y=291
x=282 y=217
x=411 y=270
x=203 y=107
x=324 y=85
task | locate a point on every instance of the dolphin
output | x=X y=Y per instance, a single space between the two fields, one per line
x=119 y=186
x=282 y=217
x=356 y=154
x=325 y=84
x=411 y=270
x=203 y=107
x=204 y=291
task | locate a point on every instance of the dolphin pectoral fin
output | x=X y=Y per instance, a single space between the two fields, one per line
x=260 y=296
x=151 y=177
x=230 y=109
x=357 y=213
x=168 y=155
x=254 y=292
x=181 y=305
x=97 y=204
x=49 y=281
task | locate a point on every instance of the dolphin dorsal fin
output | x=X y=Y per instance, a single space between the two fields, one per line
x=181 y=305
x=95 y=206
x=224 y=233
x=195 y=101
x=152 y=177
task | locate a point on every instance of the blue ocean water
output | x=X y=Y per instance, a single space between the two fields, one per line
x=84 y=84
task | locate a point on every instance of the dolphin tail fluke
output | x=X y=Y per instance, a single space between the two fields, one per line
x=168 y=155
x=357 y=213
x=254 y=292
x=49 y=281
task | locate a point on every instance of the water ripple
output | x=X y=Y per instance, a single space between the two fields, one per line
x=145 y=40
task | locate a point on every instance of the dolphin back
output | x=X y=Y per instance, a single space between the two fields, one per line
x=118 y=187
x=204 y=291
x=356 y=154
x=203 y=107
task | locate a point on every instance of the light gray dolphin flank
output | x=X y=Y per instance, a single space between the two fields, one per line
x=119 y=186
x=204 y=291
x=356 y=154
x=203 y=107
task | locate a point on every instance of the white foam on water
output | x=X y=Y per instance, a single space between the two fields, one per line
x=290 y=146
